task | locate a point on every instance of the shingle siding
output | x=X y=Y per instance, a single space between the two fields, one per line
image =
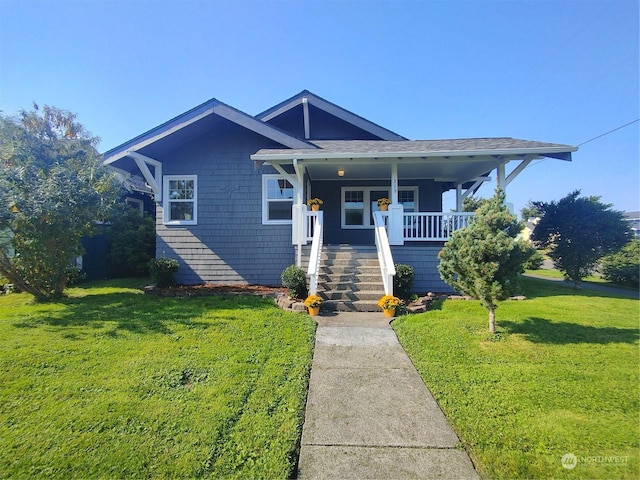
x=424 y=260
x=229 y=244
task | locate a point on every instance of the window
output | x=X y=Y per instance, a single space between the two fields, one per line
x=359 y=203
x=277 y=199
x=180 y=194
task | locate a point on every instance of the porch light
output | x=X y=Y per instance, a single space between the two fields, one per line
x=341 y=173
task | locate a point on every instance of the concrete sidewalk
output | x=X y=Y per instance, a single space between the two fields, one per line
x=369 y=414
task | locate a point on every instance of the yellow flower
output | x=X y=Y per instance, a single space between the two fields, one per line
x=384 y=201
x=314 y=201
x=313 y=301
x=389 y=301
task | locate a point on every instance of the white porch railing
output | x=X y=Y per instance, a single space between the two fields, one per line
x=314 y=233
x=387 y=267
x=433 y=226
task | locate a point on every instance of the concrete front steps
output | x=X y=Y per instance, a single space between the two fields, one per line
x=350 y=279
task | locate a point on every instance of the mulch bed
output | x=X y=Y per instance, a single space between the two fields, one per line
x=210 y=289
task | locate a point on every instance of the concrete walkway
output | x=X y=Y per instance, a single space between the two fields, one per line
x=369 y=414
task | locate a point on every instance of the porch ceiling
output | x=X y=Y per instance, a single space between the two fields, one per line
x=457 y=161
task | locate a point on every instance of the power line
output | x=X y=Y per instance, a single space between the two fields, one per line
x=610 y=131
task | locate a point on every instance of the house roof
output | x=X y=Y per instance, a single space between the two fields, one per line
x=332 y=109
x=454 y=160
x=194 y=121
x=468 y=147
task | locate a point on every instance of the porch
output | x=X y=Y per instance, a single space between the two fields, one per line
x=352 y=277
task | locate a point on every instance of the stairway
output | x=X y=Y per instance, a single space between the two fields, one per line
x=350 y=279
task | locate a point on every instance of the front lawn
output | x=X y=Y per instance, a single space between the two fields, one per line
x=560 y=377
x=111 y=383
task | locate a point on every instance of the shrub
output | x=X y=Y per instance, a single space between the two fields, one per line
x=295 y=281
x=131 y=241
x=75 y=276
x=623 y=267
x=403 y=281
x=162 y=271
x=534 y=262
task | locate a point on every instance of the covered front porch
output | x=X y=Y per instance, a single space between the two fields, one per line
x=351 y=175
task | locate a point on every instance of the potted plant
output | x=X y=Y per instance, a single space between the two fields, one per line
x=312 y=302
x=388 y=304
x=315 y=203
x=383 y=204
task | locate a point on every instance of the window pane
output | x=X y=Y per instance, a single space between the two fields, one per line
x=279 y=189
x=181 y=189
x=406 y=198
x=280 y=210
x=181 y=211
x=353 y=217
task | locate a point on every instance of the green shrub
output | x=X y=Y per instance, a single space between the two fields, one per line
x=162 y=271
x=534 y=262
x=131 y=241
x=75 y=276
x=403 y=281
x=295 y=281
x=623 y=267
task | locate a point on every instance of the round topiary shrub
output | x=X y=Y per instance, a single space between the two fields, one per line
x=295 y=281
x=162 y=271
x=403 y=281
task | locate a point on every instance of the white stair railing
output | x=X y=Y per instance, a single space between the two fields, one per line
x=316 y=249
x=387 y=267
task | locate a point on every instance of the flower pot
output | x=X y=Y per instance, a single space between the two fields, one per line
x=389 y=312
x=314 y=311
x=315 y=207
x=384 y=208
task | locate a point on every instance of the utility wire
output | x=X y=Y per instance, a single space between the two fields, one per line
x=610 y=131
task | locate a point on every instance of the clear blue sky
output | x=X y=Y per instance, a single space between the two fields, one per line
x=555 y=71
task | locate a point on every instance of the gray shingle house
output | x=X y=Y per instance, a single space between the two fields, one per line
x=231 y=189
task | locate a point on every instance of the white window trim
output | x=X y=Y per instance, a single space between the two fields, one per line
x=265 y=200
x=367 y=203
x=166 y=200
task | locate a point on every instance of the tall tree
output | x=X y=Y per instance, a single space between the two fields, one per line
x=53 y=187
x=485 y=260
x=578 y=232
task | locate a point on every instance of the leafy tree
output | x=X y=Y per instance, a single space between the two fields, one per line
x=485 y=260
x=52 y=189
x=529 y=211
x=578 y=232
x=623 y=267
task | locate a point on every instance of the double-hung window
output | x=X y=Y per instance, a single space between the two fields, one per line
x=359 y=203
x=180 y=199
x=277 y=199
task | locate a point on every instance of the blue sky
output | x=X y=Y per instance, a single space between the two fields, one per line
x=556 y=71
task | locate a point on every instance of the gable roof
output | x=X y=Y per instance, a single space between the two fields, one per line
x=332 y=109
x=191 y=118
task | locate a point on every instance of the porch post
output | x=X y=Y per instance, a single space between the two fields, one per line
x=298 y=212
x=459 y=197
x=396 y=210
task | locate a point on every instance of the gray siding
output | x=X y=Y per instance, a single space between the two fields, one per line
x=229 y=245
x=424 y=260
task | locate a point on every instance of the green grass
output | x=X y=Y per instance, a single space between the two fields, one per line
x=111 y=383
x=595 y=279
x=560 y=376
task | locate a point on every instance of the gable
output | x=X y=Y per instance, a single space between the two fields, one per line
x=310 y=117
x=195 y=122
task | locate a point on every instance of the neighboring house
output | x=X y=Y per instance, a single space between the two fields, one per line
x=634 y=222
x=231 y=188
